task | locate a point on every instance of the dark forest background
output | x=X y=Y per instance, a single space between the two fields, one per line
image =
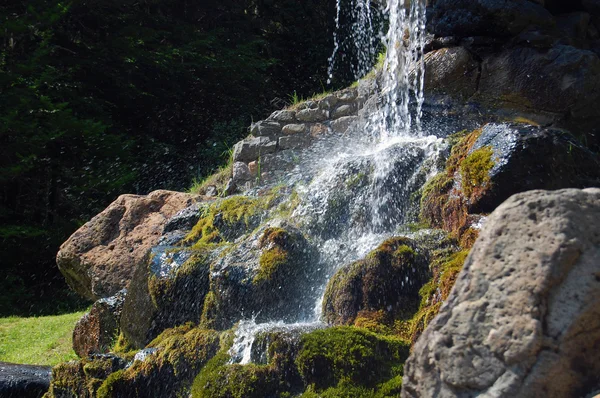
x=100 y=98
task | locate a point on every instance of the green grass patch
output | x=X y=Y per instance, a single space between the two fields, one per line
x=45 y=340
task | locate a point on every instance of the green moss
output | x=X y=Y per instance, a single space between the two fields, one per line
x=111 y=385
x=270 y=262
x=218 y=179
x=443 y=204
x=445 y=268
x=475 y=169
x=332 y=357
x=209 y=310
x=356 y=180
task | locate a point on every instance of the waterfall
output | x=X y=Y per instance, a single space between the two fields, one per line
x=355 y=190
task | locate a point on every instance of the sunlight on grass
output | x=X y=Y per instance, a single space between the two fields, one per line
x=40 y=340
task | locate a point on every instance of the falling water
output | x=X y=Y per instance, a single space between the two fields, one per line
x=355 y=190
x=362 y=39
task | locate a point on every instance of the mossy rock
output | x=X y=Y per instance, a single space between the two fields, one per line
x=158 y=301
x=82 y=378
x=346 y=357
x=387 y=280
x=264 y=276
x=179 y=355
x=277 y=377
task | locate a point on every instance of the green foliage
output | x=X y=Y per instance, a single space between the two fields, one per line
x=41 y=341
x=103 y=98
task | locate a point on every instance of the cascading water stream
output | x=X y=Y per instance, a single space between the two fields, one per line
x=352 y=201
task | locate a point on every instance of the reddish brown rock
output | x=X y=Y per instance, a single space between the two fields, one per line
x=98 y=260
x=95 y=332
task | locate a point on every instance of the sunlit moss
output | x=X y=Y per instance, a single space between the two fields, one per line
x=474 y=171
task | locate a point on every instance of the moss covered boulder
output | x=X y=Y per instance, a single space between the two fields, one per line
x=387 y=280
x=166 y=368
x=334 y=362
x=268 y=276
x=489 y=164
x=170 y=287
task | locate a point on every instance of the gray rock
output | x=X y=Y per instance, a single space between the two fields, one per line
x=241 y=173
x=243 y=288
x=95 y=332
x=211 y=191
x=24 y=381
x=283 y=116
x=348 y=95
x=251 y=149
x=563 y=79
x=184 y=219
x=523 y=319
x=291 y=129
x=328 y=102
x=451 y=71
x=312 y=115
x=294 y=142
x=343 y=110
x=265 y=128
x=463 y=18
x=230 y=187
x=342 y=124
x=530 y=157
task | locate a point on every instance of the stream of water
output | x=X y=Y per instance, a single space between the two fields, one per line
x=355 y=190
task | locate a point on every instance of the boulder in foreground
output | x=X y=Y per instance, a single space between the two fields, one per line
x=523 y=319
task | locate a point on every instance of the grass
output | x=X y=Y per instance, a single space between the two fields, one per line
x=43 y=340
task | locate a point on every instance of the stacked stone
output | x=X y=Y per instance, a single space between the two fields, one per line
x=293 y=129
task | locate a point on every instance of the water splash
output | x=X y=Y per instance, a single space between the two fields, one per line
x=355 y=190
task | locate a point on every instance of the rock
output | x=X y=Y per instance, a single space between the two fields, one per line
x=252 y=148
x=463 y=18
x=283 y=116
x=563 y=80
x=312 y=115
x=166 y=368
x=266 y=276
x=328 y=102
x=574 y=26
x=318 y=130
x=387 y=280
x=347 y=95
x=166 y=291
x=529 y=157
x=184 y=219
x=99 y=259
x=265 y=128
x=451 y=71
x=291 y=129
x=523 y=319
x=253 y=167
x=241 y=173
x=211 y=191
x=23 y=381
x=342 y=124
x=343 y=110
x=294 y=142
x=95 y=332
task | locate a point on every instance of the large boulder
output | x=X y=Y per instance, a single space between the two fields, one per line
x=562 y=80
x=99 y=259
x=523 y=319
x=451 y=71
